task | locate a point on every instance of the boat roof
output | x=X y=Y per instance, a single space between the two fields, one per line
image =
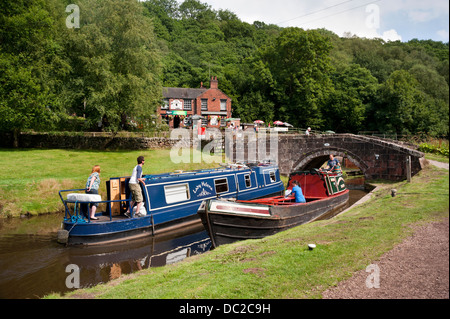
x=205 y=172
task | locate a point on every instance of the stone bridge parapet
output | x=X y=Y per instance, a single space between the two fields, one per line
x=377 y=158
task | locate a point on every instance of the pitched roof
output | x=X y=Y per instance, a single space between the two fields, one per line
x=182 y=93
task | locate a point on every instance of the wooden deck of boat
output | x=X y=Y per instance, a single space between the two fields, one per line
x=106 y=218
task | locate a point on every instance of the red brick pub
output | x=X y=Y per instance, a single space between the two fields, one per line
x=180 y=104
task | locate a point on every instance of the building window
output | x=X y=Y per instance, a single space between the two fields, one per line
x=165 y=105
x=204 y=104
x=221 y=185
x=176 y=193
x=187 y=105
x=223 y=105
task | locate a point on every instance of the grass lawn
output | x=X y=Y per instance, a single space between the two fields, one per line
x=281 y=266
x=31 y=178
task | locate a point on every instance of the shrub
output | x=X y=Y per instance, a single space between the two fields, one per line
x=434 y=149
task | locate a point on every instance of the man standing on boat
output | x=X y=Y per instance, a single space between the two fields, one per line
x=297 y=191
x=135 y=188
x=333 y=165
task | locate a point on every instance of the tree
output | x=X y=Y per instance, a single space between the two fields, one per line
x=354 y=91
x=197 y=11
x=164 y=14
x=300 y=65
x=399 y=99
x=431 y=82
x=31 y=66
x=116 y=65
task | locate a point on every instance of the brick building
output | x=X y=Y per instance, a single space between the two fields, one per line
x=180 y=104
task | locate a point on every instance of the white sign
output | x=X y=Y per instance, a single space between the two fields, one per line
x=214 y=120
x=176 y=105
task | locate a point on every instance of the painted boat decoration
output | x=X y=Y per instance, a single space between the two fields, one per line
x=228 y=221
x=171 y=201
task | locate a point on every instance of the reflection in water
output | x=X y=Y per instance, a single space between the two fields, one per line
x=102 y=263
x=33 y=264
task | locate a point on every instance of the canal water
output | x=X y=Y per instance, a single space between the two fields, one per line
x=33 y=264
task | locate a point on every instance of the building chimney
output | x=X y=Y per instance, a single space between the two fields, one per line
x=201 y=85
x=214 y=83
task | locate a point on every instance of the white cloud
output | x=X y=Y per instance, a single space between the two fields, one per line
x=397 y=19
x=391 y=35
x=443 y=34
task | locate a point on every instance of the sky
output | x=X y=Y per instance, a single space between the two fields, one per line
x=390 y=20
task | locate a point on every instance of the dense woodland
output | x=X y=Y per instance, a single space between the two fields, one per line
x=113 y=67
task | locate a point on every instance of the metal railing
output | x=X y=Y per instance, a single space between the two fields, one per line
x=77 y=209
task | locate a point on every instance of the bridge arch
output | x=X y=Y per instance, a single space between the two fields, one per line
x=316 y=158
x=377 y=158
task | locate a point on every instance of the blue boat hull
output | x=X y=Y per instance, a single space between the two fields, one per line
x=163 y=217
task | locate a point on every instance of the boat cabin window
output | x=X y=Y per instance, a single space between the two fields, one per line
x=248 y=183
x=272 y=177
x=176 y=193
x=221 y=185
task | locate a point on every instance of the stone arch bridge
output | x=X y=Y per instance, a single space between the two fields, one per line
x=377 y=158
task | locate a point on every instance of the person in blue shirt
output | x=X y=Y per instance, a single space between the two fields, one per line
x=333 y=165
x=297 y=191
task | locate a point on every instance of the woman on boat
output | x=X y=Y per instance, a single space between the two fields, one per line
x=92 y=185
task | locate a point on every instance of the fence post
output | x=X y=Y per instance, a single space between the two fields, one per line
x=408 y=169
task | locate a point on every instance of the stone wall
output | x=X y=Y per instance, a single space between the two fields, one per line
x=44 y=140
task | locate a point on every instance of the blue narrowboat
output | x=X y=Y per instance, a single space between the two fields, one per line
x=171 y=201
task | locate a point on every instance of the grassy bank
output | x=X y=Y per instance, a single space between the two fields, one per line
x=31 y=178
x=281 y=266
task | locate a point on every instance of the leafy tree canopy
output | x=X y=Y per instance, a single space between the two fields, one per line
x=112 y=68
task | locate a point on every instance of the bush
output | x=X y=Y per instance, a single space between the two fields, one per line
x=434 y=149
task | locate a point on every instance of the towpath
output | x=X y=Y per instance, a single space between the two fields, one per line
x=439 y=164
x=418 y=268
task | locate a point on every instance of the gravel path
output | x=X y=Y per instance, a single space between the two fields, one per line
x=418 y=268
x=439 y=164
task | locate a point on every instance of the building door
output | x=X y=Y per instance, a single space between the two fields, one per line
x=176 y=121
